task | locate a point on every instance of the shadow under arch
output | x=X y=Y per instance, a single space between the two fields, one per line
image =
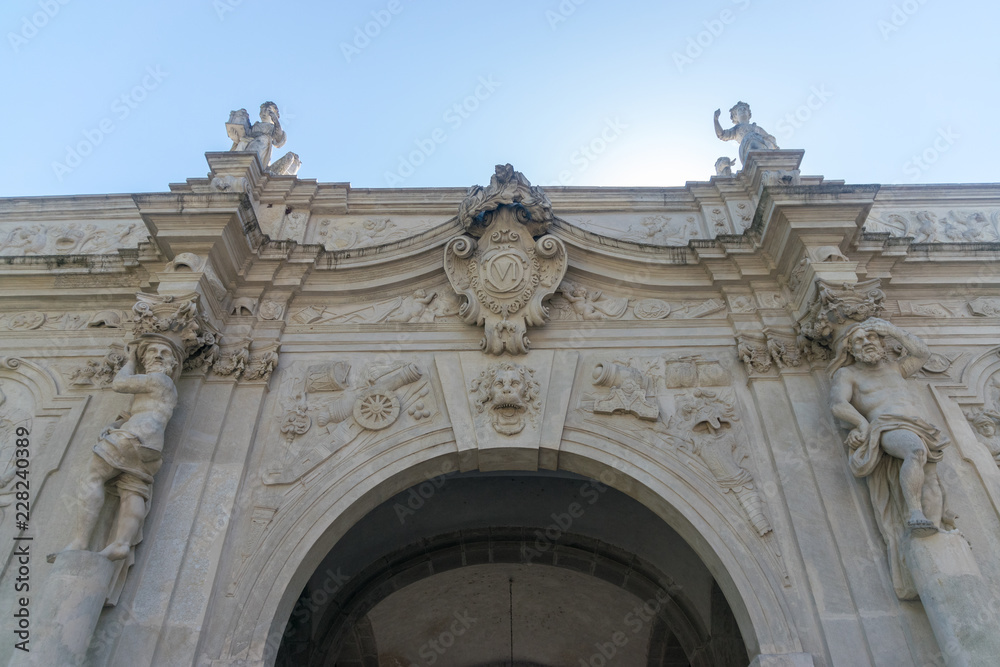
x=309 y=526
x=665 y=600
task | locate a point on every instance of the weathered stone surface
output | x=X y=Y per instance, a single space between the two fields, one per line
x=360 y=424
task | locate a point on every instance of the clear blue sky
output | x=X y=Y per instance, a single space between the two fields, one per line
x=145 y=88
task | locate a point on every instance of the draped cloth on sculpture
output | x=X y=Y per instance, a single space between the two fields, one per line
x=882 y=471
x=125 y=452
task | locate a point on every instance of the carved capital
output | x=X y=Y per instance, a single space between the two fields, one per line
x=754 y=353
x=232 y=360
x=506 y=267
x=834 y=308
x=178 y=320
x=783 y=348
x=262 y=364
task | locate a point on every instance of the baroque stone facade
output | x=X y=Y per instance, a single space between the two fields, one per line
x=270 y=421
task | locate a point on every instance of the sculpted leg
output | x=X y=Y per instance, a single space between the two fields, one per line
x=131 y=512
x=907 y=446
x=933 y=496
x=90 y=500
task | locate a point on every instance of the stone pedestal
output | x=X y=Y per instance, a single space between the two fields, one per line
x=75 y=590
x=955 y=598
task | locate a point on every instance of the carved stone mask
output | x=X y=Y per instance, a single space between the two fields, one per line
x=509 y=393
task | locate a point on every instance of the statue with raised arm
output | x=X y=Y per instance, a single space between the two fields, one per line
x=890 y=442
x=260 y=137
x=129 y=451
x=750 y=136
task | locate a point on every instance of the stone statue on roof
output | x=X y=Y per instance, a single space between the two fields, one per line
x=260 y=137
x=750 y=135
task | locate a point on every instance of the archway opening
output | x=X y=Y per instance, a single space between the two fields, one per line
x=511 y=568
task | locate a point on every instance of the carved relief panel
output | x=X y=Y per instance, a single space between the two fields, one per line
x=326 y=409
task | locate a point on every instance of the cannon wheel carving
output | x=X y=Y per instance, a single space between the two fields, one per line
x=376 y=410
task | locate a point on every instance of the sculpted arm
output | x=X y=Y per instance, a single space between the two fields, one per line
x=725 y=135
x=279 y=136
x=126 y=380
x=841 y=392
x=917 y=349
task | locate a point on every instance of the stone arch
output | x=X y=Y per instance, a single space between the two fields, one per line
x=586 y=555
x=312 y=523
x=957 y=401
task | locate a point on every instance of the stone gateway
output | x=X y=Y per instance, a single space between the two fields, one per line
x=258 y=420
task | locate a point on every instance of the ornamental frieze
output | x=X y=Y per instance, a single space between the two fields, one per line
x=74 y=238
x=927 y=226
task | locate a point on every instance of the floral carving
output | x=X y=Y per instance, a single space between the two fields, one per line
x=261 y=365
x=835 y=307
x=99 y=373
x=783 y=350
x=754 y=354
x=234 y=361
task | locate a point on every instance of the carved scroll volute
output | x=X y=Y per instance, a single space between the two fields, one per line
x=506 y=265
